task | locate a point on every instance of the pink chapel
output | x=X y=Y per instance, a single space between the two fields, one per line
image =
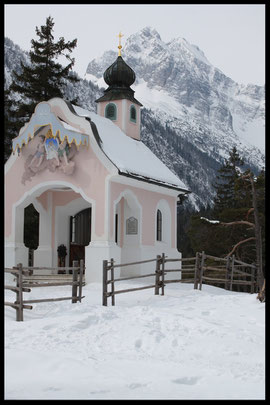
x=98 y=189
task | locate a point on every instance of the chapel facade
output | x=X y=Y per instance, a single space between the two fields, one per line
x=98 y=189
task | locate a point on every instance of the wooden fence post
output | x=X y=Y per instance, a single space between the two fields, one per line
x=257 y=279
x=19 y=294
x=201 y=270
x=233 y=257
x=228 y=272
x=74 y=281
x=157 y=275
x=196 y=272
x=80 y=279
x=162 y=273
x=105 y=285
x=112 y=282
x=252 y=286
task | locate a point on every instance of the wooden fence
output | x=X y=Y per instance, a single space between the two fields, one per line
x=110 y=266
x=197 y=270
x=25 y=281
x=225 y=272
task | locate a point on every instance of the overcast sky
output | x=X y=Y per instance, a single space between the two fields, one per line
x=231 y=36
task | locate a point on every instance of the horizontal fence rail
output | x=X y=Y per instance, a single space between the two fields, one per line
x=197 y=270
x=25 y=281
x=109 y=266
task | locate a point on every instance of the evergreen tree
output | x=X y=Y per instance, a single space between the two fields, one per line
x=226 y=182
x=45 y=78
x=10 y=124
x=234 y=208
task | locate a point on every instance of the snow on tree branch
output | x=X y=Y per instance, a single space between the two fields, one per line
x=229 y=223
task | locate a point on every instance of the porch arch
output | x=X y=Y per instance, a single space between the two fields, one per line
x=129 y=228
x=55 y=201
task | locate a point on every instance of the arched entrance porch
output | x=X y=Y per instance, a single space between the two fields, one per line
x=56 y=203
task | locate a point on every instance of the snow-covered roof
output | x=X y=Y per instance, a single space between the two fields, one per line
x=130 y=156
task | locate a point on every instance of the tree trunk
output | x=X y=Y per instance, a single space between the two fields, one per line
x=257 y=236
x=261 y=295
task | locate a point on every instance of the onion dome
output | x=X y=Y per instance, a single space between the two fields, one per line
x=119 y=74
x=119 y=77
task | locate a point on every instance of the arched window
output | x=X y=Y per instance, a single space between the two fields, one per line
x=111 y=111
x=116 y=228
x=159 y=225
x=133 y=114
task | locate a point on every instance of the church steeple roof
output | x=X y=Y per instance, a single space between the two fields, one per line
x=119 y=77
x=119 y=74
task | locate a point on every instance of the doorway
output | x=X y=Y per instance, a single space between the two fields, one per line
x=80 y=234
x=31 y=231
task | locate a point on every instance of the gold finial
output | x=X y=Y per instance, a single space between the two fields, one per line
x=120 y=46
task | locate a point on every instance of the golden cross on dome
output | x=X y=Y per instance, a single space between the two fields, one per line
x=120 y=46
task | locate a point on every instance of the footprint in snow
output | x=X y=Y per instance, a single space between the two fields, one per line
x=52 y=389
x=138 y=343
x=136 y=385
x=186 y=380
x=174 y=343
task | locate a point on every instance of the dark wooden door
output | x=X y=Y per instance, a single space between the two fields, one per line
x=80 y=234
x=77 y=252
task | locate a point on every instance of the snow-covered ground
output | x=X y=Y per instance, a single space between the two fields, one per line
x=187 y=344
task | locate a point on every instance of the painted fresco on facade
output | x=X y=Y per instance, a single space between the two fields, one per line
x=51 y=153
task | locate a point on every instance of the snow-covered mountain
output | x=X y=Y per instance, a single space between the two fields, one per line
x=193 y=114
x=13 y=55
x=177 y=79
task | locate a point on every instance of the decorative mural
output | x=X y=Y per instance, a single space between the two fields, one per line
x=51 y=141
x=52 y=154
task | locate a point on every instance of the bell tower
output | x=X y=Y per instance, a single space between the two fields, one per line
x=118 y=102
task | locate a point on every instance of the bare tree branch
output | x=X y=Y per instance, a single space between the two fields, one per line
x=249 y=211
x=238 y=244
x=237 y=223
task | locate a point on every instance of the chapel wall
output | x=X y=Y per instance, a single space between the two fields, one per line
x=149 y=202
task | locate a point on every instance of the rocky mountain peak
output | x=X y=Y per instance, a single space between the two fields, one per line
x=181 y=47
x=149 y=32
